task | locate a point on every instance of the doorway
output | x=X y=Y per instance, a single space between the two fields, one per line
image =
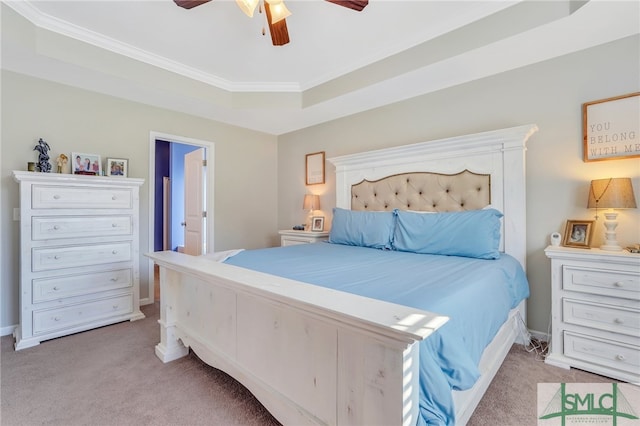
x=167 y=197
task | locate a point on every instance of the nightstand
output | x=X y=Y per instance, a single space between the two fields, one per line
x=291 y=237
x=595 y=311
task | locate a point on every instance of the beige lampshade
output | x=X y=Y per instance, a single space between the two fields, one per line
x=612 y=193
x=311 y=202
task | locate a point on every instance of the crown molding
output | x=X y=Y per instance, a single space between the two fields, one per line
x=29 y=11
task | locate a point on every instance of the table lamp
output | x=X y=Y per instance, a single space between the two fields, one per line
x=611 y=193
x=311 y=202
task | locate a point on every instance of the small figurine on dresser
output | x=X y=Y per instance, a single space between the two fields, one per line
x=43 y=156
x=61 y=162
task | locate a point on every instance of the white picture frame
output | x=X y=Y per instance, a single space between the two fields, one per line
x=117 y=167
x=317 y=223
x=86 y=164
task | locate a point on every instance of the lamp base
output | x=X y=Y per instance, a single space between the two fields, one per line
x=611 y=247
x=307 y=224
x=611 y=240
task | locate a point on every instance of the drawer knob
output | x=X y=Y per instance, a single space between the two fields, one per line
x=115 y=252
x=56 y=257
x=114 y=225
x=55 y=288
x=618 y=321
x=618 y=284
x=114 y=279
x=113 y=197
x=56 y=227
x=56 y=318
x=56 y=197
x=115 y=307
x=620 y=357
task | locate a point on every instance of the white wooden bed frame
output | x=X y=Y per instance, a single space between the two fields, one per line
x=313 y=355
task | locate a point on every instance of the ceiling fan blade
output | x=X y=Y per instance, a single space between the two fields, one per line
x=279 y=31
x=351 y=4
x=188 y=4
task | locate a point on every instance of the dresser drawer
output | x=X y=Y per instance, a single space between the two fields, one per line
x=50 y=227
x=602 y=352
x=80 y=197
x=601 y=316
x=45 y=289
x=601 y=281
x=45 y=259
x=55 y=319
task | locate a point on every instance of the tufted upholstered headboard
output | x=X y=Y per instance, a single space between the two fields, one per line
x=423 y=191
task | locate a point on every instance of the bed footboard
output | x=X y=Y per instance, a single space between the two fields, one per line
x=311 y=355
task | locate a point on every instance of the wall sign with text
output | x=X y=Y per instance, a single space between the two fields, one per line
x=611 y=128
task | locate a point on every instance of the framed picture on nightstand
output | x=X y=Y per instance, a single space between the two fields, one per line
x=577 y=233
x=317 y=223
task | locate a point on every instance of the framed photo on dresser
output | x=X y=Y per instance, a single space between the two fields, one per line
x=577 y=233
x=86 y=164
x=117 y=167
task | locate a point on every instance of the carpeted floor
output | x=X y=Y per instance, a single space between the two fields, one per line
x=111 y=376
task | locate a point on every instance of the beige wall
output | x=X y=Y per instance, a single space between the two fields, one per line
x=549 y=94
x=259 y=179
x=69 y=119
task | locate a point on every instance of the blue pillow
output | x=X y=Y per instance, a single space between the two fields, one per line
x=362 y=228
x=473 y=233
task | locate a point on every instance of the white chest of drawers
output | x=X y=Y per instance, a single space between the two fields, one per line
x=79 y=262
x=595 y=311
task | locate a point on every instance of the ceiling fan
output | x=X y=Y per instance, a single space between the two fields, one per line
x=276 y=13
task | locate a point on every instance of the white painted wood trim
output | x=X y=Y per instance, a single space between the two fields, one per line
x=210 y=199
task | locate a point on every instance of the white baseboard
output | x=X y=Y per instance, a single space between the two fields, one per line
x=5 y=331
x=544 y=337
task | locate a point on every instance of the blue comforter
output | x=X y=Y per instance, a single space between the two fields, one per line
x=475 y=294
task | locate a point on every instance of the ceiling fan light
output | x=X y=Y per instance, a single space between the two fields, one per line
x=248 y=6
x=278 y=10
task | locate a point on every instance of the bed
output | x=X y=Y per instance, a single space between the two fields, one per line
x=313 y=354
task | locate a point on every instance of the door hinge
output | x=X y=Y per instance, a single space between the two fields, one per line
x=204 y=214
x=204 y=163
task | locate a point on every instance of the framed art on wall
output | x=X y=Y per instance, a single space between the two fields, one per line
x=577 y=233
x=86 y=164
x=314 y=168
x=611 y=128
x=117 y=167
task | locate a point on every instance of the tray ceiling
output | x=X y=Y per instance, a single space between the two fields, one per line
x=213 y=61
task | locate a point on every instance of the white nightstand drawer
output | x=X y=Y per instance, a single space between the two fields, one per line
x=80 y=197
x=292 y=241
x=293 y=237
x=44 y=259
x=602 y=352
x=55 y=319
x=44 y=228
x=45 y=289
x=601 y=316
x=601 y=281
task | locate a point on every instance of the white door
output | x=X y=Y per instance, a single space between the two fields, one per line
x=194 y=213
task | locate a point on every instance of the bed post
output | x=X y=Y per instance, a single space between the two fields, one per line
x=169 y=348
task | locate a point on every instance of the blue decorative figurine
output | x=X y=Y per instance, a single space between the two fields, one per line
x=43 y=157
